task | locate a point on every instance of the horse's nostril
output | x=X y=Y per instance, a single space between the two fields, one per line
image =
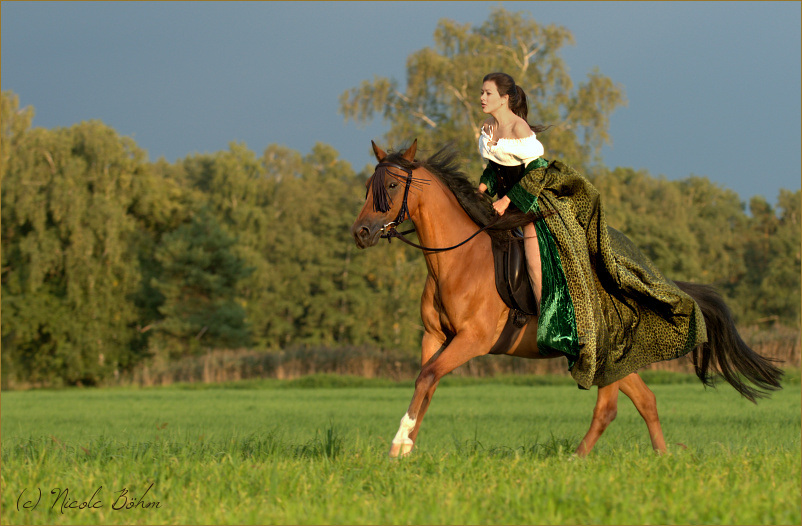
x=361 y=236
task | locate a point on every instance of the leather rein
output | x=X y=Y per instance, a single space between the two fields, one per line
x=390 y=228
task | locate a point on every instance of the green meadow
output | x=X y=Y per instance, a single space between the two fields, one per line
x=314 y=451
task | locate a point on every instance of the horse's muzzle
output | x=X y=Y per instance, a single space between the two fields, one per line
x=364 y=235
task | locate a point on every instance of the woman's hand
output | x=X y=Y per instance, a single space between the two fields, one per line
x=501 y=205
x=482 y=188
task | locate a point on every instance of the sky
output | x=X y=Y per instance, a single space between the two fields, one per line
x=713 y=88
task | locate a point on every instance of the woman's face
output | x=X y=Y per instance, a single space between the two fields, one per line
x=491 y=100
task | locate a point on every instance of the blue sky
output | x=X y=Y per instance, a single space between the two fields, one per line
x=713 y=88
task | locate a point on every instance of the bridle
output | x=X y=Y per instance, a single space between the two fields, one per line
x=389 y=229
x=404 y=211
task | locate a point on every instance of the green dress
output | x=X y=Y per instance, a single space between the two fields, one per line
x=604 y=304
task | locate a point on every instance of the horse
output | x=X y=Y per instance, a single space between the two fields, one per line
x=463 y=315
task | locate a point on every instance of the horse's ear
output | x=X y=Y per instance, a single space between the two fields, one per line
x=409 y=155
x=378 y=152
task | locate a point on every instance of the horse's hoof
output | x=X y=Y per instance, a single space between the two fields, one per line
x=400 y=449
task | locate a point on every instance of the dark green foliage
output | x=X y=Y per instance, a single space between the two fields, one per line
x=199 y=278
x=769 y=289
x=69 y=261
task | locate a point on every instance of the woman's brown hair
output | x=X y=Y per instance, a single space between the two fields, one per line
x=518 y=104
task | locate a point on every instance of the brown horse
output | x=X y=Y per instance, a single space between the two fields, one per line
x=463 y=315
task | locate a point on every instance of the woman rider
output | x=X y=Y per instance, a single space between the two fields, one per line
x=602 y=302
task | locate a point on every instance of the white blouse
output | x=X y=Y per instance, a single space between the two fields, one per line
x=510 y=152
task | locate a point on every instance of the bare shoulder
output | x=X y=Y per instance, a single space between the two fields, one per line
x=521 y=130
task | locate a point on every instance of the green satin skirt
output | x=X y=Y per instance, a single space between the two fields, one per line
x=556 y=326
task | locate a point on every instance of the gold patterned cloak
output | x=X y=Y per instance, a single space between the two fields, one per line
x=626 y=314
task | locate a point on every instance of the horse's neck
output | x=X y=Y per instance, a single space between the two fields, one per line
x=440 y=222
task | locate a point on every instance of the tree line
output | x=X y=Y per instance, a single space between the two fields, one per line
x=110 y=260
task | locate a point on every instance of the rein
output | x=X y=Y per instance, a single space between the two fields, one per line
x=392 y=232
x=389 y=229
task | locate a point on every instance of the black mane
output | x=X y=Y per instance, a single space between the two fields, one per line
x=445 y=165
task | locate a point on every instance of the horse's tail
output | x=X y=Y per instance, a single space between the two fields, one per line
x=725 y=351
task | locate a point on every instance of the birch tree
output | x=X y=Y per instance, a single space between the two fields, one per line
x=440 y=101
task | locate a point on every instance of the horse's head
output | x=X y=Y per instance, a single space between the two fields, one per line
x=388 y=198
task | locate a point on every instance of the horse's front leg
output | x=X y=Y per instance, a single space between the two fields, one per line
x=431 y=345
x=462 y=348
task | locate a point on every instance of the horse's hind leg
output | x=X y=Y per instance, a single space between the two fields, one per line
x=604 y=413
x=645 y=402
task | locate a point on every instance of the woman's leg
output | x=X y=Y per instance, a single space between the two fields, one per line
x=532 y=251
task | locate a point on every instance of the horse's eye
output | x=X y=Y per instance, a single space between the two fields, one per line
x=393 y=185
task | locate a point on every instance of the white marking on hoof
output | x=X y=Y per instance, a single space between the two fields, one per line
x=402 y=444
x=406 y=448
x=400 y=449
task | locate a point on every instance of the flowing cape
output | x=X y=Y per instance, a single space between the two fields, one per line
x=604 y=303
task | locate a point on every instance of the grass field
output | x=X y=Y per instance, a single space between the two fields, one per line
x=314 y=452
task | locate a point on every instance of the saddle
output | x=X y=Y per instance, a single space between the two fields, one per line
x=514 y=287
x=512 y=274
